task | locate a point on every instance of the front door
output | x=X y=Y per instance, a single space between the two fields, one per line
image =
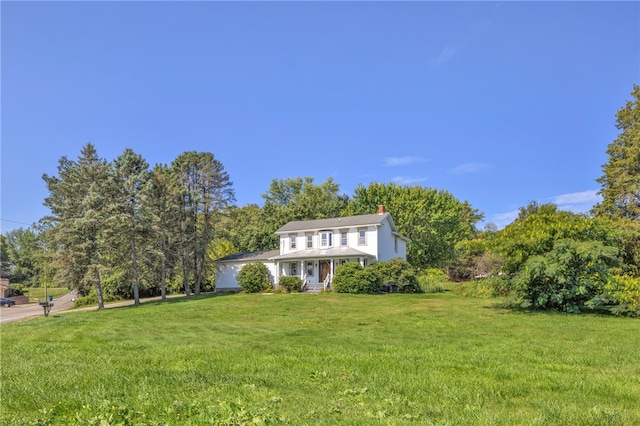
x=325 y=269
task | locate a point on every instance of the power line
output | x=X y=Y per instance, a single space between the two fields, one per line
x=15 y=221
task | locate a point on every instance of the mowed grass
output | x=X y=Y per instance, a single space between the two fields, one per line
x=36 y=294
x=321 y=359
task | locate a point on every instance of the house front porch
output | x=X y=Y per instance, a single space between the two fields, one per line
x=316 y=268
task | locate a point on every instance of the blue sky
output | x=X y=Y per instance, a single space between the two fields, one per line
x=499 y=103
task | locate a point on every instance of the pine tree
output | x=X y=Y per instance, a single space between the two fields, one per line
x=164 y=200
x=206 y=194
x=621 y=179
x=78 y=220
x=131 y=217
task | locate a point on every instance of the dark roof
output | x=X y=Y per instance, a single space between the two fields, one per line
x=249 y=255
x=334 y=223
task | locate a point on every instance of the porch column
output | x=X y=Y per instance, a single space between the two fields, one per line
x=302 y=271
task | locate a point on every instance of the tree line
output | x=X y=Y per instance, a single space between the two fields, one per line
x=125 y=229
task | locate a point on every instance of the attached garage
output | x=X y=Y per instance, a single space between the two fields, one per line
x=228 y=267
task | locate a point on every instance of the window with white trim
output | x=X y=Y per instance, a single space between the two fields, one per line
x=343 y=238
x=326 y=239
x=310 y=267
x=362 y=237
x=309 y=240
x=293 y=269
x=292 y=239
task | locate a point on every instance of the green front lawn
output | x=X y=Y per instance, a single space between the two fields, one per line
x=321 y=359
x=36 y=294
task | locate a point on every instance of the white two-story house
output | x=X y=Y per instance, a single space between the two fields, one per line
x=312 y=250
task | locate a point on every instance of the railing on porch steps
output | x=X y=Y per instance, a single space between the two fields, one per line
x=313 y=287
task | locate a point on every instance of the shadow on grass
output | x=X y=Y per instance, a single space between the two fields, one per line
x=154 y=300
x=181 y=298
x=515 y=307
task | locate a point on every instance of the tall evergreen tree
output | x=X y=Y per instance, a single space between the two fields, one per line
x=164 y=199
x=621 y=179
x=79 y=211
x=207 y=192
x=131 y=218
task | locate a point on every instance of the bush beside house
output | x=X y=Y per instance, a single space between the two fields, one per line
x=394 y=275
x=254 y=278
x=290 y=284
x=397 y=275
x=351 y=277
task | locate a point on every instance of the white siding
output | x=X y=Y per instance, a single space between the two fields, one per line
x=386 y=244
x=372 y=242
x=285 y=243
x=226 y=273
x=372 y=246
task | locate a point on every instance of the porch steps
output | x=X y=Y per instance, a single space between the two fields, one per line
x=313 y=288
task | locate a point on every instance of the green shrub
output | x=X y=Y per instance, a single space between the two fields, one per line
x=345 y=277
x=397 y=274
x=566 y=277
x=92 y=299
x=625 y=290
x=290 y=284
x=254 y=278
x=432 y=288
x=430 y=280
x=351 y=277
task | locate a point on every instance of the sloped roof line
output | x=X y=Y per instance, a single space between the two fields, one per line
x=249 y=255
x=335 y=223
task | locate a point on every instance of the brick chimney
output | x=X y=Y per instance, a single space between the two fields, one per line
x=381 y=209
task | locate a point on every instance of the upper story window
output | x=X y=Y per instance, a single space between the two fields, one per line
x=309 y=240
x=326 y=239
x=292 y=241
x=362 y=237
x=343 y=238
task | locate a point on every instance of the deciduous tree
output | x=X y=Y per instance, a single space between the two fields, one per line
x=20 y=249
x=434 y=220
x=250 y=228
x=300 y=199
x=536 y=233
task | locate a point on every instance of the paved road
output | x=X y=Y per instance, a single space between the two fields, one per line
x=19 y=312
x=62 y=304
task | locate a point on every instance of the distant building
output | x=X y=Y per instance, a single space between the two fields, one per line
x=5 y=288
